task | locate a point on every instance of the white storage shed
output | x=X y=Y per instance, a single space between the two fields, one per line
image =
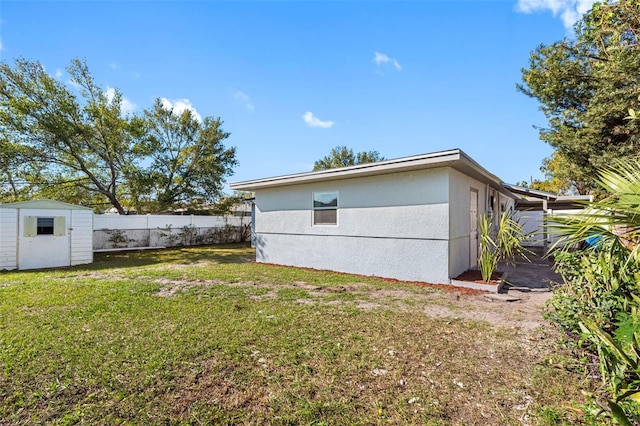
x=412 y=218
x=45 y=234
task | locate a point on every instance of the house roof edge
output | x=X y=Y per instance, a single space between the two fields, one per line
x=453 y=157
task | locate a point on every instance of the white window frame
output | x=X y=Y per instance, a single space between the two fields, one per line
x=314 y=208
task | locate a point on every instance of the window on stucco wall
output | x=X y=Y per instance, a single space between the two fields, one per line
x=325 y=208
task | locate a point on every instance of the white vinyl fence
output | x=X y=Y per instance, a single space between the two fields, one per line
x=532 y=223
x=122 y=232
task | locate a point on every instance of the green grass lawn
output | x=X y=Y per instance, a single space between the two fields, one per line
x=204 y=336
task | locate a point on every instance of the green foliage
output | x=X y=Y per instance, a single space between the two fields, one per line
x=226 y=205
x=502 y=245
x=341 y=156
x=620 y=369
x=586 y=87
x=61 y=137
x=601 y=295
x=188 y=158
x=74 y=143
x=488 y=255
x=614 y=220
x=593 y=286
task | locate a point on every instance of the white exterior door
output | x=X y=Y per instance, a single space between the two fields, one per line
x=44 y=240
x=473 y=228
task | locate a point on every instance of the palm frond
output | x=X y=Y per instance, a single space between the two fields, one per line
x=613 y=221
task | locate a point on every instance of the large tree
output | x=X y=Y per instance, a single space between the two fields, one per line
x=188 y=158
x=341 y=156
x=585 y=86
x=77 y=138
x=74 y=143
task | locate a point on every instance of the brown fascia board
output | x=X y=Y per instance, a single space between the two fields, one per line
x=455 y=158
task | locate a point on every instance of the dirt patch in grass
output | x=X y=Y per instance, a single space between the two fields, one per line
x=97 y=275
x=245 y=343
x=525 y=313
x=173 y=287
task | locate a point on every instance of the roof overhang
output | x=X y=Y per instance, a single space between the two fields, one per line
x=533 y=199
x=528 y=192
x=570 y=202
x=454 y=158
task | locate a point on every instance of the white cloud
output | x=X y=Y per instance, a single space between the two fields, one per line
x=0 y=43
x=381 y=58
x=114 y=66
x=58 y=73
x=126 y=106
x=179 y=106
x=74 y=84
x=245 y=99
x=570 y=11
x=313 y=121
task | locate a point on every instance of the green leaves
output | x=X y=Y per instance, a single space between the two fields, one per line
x=81 y=141
x=503 y=246
x=341 y=156
x=602 y=289
x=188 y=158
x=614 y=220
x=586 y=87
x=74 y=143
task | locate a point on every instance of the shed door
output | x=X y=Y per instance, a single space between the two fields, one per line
x=44 y=240
x=473 y=228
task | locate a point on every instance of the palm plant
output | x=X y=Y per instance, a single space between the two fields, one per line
x=503 y=246
x=487 y=251
x=614 y=221
x=611 y=269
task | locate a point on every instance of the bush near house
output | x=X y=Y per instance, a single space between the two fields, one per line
x=499 y=245
x=600 y=300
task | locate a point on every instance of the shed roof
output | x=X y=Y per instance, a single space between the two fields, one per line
x=43 y=204
x=454 y=158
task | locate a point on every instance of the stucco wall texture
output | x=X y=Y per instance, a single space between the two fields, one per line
x=410 y=225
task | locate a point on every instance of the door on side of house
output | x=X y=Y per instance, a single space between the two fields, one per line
x=473 y=228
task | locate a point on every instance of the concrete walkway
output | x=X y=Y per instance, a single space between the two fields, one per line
x=537 y=275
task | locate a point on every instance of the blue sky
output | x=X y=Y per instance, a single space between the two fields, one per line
x=292 y=79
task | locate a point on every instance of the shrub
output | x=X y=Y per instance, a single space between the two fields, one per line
x=601 y=295
x=504 y=245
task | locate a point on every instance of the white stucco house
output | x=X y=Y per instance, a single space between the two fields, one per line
x=412 y=218
x=45 y=234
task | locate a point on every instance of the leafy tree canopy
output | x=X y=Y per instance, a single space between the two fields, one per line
x=586 y=87
x=341 y=156
x=74 y=143
x=187 y=156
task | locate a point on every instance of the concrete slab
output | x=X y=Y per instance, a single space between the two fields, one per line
x=501 y=297
x=536 y=276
